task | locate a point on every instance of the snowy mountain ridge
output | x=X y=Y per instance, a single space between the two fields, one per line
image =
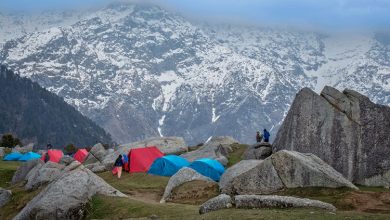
x=141 y=71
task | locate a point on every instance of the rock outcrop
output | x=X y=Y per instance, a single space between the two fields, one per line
x=284 y=169
x=167 y=145
x=258 y=151
x=217 y=148
x=24 y=169
x=346 y=130
x=222 y=201
x=225 y=183
x=271 y=201
x=67 y=196
x=5 y=196
x=182 y=176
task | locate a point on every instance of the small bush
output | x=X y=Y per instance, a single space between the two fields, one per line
x=70 y=149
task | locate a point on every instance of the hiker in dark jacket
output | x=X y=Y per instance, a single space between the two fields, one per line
x=259 y=137
x=266 y=135
x=118 y=165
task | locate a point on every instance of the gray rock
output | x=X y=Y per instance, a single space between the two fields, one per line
x=222 y=201
x=98 y=159
x=378 y=180
x=2 y=152
x=217 y=148
x=261 y=179
x=284 y=169
x=24 y=169
x=270 y=201
x=346 y=130
x=182 y=176
x=97 y=167
x=66 y=160
x=23 y=149
x=225 y=183
x=5 y=196
x=306 y=170
x=45 y=174
x=67 y=196
x=258 y=151
x=97 y=152
x=167 y=145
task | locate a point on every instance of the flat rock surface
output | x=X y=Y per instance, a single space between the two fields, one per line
x=270 y=201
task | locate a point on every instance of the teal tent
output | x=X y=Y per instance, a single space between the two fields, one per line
x=208 y=167
x=13 y=156
x=30 y=156
x=167 y=165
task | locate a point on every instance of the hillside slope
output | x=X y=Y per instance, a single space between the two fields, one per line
x=39 y=116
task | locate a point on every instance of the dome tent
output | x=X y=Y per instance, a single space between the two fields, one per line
x=13 y=156
x=140 y=159
x=29 y=156
x=54 y=155
x=208 y=167
x=167 y=165
x=80 y=155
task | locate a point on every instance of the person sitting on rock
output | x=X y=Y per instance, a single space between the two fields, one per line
x=118 y=165
x=266 y=135
x=259 y=137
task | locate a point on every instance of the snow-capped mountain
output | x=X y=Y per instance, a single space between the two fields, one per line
x=139 y=71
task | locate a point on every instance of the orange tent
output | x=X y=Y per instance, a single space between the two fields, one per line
x=142 y=158
x=80 y=155
x=54 y=155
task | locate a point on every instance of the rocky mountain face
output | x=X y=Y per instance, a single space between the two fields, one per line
x=36 y=115
x=345 y=129
x=141 y=71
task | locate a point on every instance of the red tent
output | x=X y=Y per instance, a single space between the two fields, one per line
x=80 y=155
x=54 y=155
x=142 y=158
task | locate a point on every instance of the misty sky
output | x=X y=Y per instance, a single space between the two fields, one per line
x=340 y=14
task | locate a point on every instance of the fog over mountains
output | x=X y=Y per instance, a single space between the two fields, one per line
x=139 y=70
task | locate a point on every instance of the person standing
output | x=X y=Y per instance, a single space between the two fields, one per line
x=259 y=137
x=266 y=135
x=118 y=165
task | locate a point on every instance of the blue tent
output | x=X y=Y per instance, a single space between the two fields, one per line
x=167 y=165
x=208 y=167
x=29 y=156
x=13 y=156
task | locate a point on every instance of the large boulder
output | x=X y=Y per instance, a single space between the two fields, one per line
x=222 y=201
x=284 y=169
x=217 y=148
x=67 y=196
x=5 y=196
x=96 y=159
x=24 y=169
x=225 y=183
x=271 y=201
x=182 y=176
x=306 y=170
x=167 y=145
x=258 y=151
x=345 y=129
x=44 y=174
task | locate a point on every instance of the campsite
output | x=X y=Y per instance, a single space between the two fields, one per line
x=159 y=186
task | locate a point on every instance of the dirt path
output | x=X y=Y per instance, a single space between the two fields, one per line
x=373 y=202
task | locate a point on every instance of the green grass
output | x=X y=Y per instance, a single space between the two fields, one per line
x=119 y=208
x=7 y=170
x=236 y=156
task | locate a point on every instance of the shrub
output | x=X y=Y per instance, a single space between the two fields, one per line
x=9 y=141
x=70 y=149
